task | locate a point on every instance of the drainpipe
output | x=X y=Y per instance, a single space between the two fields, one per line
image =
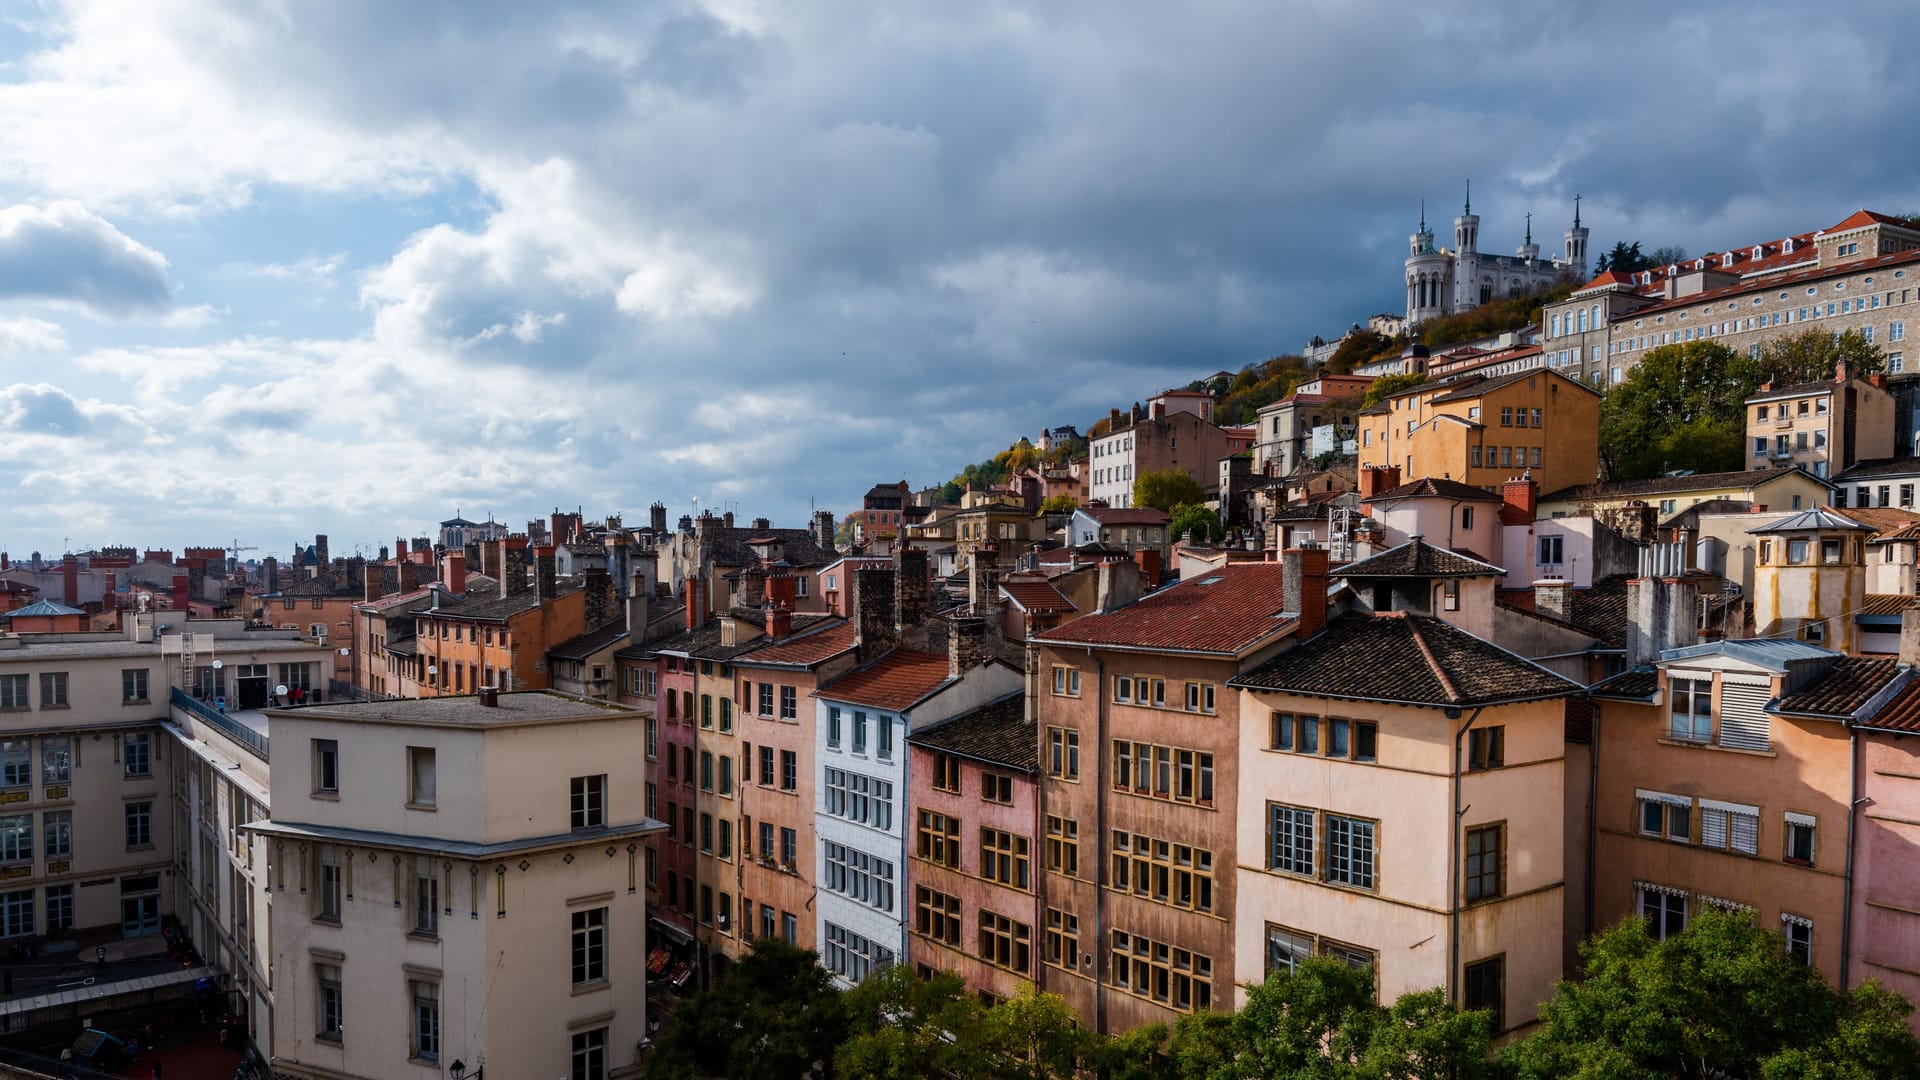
x=1593 y=822
x=1100 y=782
x=1453 y=860
x=1853 y=813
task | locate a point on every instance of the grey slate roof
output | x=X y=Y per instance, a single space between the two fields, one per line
x=1819 y=519
x=1409 y=659
x=996 y=733
x=1418 y=559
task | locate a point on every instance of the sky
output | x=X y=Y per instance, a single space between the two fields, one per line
x=277 y=268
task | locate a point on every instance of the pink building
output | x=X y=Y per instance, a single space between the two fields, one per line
x=976 y=804
x=1883 y=924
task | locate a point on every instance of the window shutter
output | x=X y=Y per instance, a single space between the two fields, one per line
x=1713 y=827
x=1746 y=834
x=1744 y=724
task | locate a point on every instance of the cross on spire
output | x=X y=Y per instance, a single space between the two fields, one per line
x=1576 y=211
x=1469 y=196
x=1529 y=226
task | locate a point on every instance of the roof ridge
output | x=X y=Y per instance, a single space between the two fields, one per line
x=1433 y=662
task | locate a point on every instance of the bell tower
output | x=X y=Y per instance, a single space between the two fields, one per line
x=1466 y=227
x=1577 y=242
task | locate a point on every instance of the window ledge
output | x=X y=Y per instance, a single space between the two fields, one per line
x=326 y=920
x=428 y=936
x=130 y=702
x=427 y=807
x=330 y=1040
x=1693 y=745
x=55 y=708
x=429 y=1061
x=326 y=796
x=594 y=987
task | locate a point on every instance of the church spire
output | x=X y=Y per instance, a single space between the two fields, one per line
x=1423 y=215
x=1469 y=197
x=1576 y=211
x=1529 y=226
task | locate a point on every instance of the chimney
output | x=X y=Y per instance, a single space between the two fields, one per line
x=779 y=620
x=112 y=600
x=1910 y=637
x=270 y=574
x=544 y=584
x=1662 y=604
x=692 y=596
x=1159 y=410
x=1878 y=380
x=1521 y=503
x=657 y=517
x=1148 y=560
x=182 y=592
x=1554 y=597
x=320 y=560
x=603 y=600
x=1117 y=584
x=873 y=605
x=762 y=525
x=70 y=580
x=1841 y=371
x=982 y=579
x=453 y=572
x=966 y=644
x=639 y=600
x=490 y=559
x=823 y=530
x=374 y=587
x=912 y=586
x=1375 y=479
x=1303 y=587
x=490 y=697
x=726 y=519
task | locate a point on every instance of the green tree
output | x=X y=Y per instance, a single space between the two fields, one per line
x=1667 y=255
x=774 y=1016
x=1721 y=998
x=1199 y=520
x=1810 y=356
x=905 y=1027
x=1035 y=1036
x=1378 y=390
x=1164 y=489
x=1059 y=504
x=1423 y=1037
x=1358 y=347
x=1624 y=257
x=1682 y=407
x=1312 y=1022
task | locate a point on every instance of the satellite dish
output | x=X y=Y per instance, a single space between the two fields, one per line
x=280 y=690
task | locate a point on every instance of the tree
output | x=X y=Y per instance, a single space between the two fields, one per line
x=1667 y=255
x=1035 y=1036
x=774 y=1016
x=905 y=1027
x=1164 y=489
x=1313 y=1021
x=1624 y=257
x=1423 y=1037
x=1682 y=407
x=1203 y=523
x=1358 y=347
x=1811 y=355
x=1723 y=997
x=1059 y=504
x=1381 y=387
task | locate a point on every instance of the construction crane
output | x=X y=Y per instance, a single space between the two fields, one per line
x=234 y=549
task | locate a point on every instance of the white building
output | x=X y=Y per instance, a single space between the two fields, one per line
x=1442 y=281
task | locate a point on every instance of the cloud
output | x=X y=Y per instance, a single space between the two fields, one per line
x=319 y=270
x=41 y=409
x=24 y=334
x=64 y=252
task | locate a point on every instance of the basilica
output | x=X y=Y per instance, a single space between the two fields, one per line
x=1441 y=281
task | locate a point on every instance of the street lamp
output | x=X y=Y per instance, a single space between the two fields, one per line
x=458 y=1070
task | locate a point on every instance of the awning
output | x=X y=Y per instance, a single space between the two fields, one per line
x=671 y=931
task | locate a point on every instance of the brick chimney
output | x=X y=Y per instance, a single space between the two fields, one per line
x=639 y=603
x=966 y=644
x=1554 y=597
x=182 y=592
x=545 y=584
x=70 y=580
x=1841 y=371
x=1375 y=479
x=603 y=600
x=779 y=620
x=490 y=559
x=270 y=574
x=374 y=587
x=111 y=601
x=912 y=587
x=693 y=594
x=873 y=605
x=657 y=517
x=1303 y=585
x=1148 y=560
x=453 y=572
x=320 y=561
x=1521 y=503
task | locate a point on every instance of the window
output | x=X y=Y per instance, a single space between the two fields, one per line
x=848 y=954
x=859 y=732
x=1063 y=753
x=1799 y=837
x=1799 y=934
x=1533 y=415
x=53 y=689
x=1179 y=978
x=13 y=692
x=16 y=913
x=16 y=838
x=1123 y=689
x=1486 y=862
x=1486 y=748
x=706 y=770
x=1668 y=816
x=1167 y=873
x=1485 y=988
x=726 y=774
x=1005 y=943
x=1199 y=697
x=589 y=1055
x=589 y=945
x=57 y=825
x=706 y=708
x=789 y=703
x=1730 y=826
x=332 y=882
x=133 y=684
x=139 y=816
x=883 y=737
x=426 y=1019
x=1063 y=846
x=589 y=801
x=857 y=875
x=1290 y=839
x=1506 y=416
x=1691 y=703
x=59 y=908
x=766 y=698
x=938 y=839
x=946 y=773
x=936 y=915
x=859 y=798
x=1664 y=909
x=789 y=770
x=1004 y=857
x=1163 y=772
x=1066 y=681
x=1553 y=550
x=137 y=755
x=1350 y=851
x=833 y=726
x=1063 y=939
x=789 y=846
x=426 y=897
x=326 y=767
x=16 y=763
x=420 y=776
x=996 y=788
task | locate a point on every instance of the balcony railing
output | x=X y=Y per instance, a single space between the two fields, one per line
x=226 y=725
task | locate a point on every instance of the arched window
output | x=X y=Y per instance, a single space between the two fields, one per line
x=1553 y=326
x=1583 y=322
x=1596 y=316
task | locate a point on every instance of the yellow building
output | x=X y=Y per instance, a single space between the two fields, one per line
x=1484 y=430
x=1810 y=578
x=1823 y=427
x=1775 y=489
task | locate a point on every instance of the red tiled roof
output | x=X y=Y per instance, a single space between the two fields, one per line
x=1225 y=611
x=805 y=650
x=893 y=682
x=1842 y=689
x=1900 y=714
x=1036 y=595
x=1860 y=219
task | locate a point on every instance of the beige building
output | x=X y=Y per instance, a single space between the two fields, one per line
x=1810 y=577
x=1823 y=427
x=1861 y=274
x=1286 y=425
x=458 y=879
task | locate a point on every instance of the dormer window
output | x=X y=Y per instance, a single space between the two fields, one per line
x=1786 y=245
x=1758 y=250
x=1672 y=269
x=1727 y=259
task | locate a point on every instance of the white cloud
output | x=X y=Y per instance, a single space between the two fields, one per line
x=65 y=253
x=320 y=270
x=22 y=334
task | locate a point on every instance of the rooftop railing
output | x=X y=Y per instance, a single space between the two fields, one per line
x=221 y=722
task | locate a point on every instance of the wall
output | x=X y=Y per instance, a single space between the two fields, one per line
x=1886 y=921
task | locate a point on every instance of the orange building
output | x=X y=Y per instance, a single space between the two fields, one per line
x=1484 y=430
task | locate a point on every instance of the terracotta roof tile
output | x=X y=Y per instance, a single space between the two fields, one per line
x=1437 y=488
x=1664 y=485
x=1841 y=689
x=1402 y=657
x=1036 y=595
x=805 y=650
x=1226 y=611
x=1418 y=559
x=996 y=733
x=894 y=682
x=1900 y=714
